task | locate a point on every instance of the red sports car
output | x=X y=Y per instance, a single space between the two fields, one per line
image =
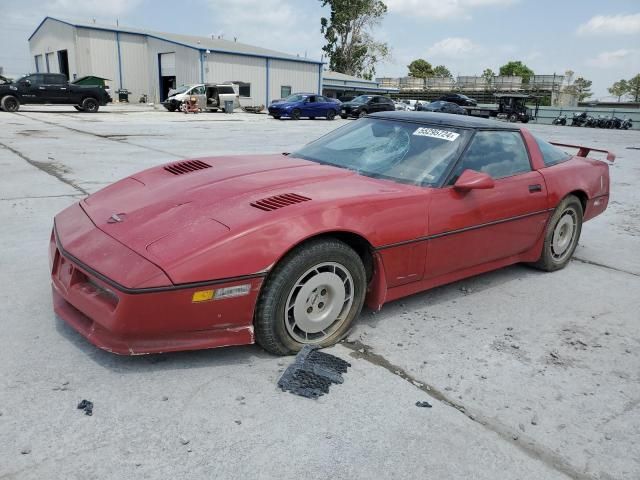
x=285 y=249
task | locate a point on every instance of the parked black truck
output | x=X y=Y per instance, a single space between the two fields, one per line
x=53 y=88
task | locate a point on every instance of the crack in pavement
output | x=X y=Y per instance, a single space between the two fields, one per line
x=602 y=265
x=526 y=444
x=110 y=137
x=37 y=197
x=47 y=168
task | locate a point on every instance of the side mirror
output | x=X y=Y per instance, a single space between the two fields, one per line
x=472 y=180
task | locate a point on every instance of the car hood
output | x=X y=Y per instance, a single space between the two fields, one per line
x=158 y=209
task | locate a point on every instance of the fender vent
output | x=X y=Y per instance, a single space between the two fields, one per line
x=279 y=201
x=186 y=167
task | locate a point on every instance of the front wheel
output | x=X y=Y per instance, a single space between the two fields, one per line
x=344 y=117
x=277 y=117
x=90 y=105
x=10 y=103
x=331 y=114
x=562 y=235
x=362 y=114
x=311 y=297
x=295 y=115
x=513 y=118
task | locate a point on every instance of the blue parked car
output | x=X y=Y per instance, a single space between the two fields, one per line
x=301 y=105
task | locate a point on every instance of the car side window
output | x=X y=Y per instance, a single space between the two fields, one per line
x=497 y=153
x=311 y=99
x=551 y=155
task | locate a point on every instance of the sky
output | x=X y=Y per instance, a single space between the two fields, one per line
x=597 y=39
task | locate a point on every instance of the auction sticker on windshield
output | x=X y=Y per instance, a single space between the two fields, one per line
x=436 y=133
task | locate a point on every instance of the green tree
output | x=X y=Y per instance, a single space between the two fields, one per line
x=516 y=68
x=581 y=88
x=349 y=44
x=619 y=89
x=488 y=75
x=634 y=87
x=441 y=71
x=420 y=68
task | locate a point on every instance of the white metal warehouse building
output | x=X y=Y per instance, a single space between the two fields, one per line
x=150 y=63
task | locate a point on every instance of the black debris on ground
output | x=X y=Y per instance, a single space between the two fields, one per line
x=87 y=406
x=312 y=373
x=423 y=404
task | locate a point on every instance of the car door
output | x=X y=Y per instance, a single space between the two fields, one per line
x=32 y=89
x=55 y=89
x=467 y=229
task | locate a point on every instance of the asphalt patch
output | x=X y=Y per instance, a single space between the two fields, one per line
x=312 y=373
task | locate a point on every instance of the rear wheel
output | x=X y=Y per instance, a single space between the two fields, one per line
x=362 y=114
x=10 y=103
x=295 y=114
x=311 y=297
x=513 y=118
x=277 y=117
x=331 y=114
x=312 y=118
x=562 y=235
x=344 y=117
x=90 y=105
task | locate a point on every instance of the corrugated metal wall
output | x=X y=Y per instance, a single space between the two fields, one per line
x=187 y=65
x=135 y=65
x=302 y=77
x=222 y=67
x=52 y=37
x=97 y=54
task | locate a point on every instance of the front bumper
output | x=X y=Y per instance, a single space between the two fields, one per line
x=156 y=319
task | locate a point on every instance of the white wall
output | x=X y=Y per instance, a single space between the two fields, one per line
x=53 y=36
x=97 y=54
x=302 y=77
x=135 y=63
x=187 y=65
x=223 y=67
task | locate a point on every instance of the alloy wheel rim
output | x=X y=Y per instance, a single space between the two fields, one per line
x=319 y=302
x=563 y=235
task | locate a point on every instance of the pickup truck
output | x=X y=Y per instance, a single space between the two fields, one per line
x=51 y=88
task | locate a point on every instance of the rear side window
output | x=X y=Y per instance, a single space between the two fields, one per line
x=225 y=89
x=497 y=153
x=551 y=155
x=54 y=80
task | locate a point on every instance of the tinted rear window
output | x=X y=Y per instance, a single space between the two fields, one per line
x=551 y=155
x=225 y=89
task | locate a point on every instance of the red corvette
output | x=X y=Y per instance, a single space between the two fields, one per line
x=285 y=249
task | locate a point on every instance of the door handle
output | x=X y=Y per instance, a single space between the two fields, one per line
x=40 y=88
x=535 y=188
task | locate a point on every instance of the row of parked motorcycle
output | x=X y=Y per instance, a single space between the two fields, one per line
x=585 y=120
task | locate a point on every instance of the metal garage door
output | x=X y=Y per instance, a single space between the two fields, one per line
x=167 y=64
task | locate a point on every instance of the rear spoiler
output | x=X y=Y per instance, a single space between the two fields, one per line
x=584 y=151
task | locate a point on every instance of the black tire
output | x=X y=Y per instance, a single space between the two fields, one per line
x=312 y=118
x=90 y=105
x=550 y=260
x=78 y=108
x=295 y=114
x=513 y=118
x=277 y=117
x=10 y=103
x=172 y=107
x=272 y=331
x=362 y=114
x=344 y=117
x=331 y=114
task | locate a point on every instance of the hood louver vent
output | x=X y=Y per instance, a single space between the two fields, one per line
x=186 y=167
x=279 y=201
